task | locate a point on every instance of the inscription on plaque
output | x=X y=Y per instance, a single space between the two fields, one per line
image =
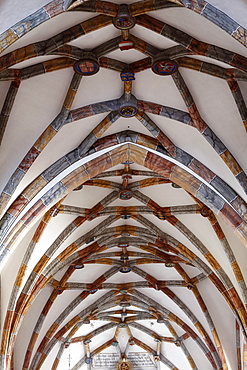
x=110 y=360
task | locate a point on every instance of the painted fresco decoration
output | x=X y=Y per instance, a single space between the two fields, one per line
x=124 y=236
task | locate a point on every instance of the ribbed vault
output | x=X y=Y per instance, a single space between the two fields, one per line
x=123 y=190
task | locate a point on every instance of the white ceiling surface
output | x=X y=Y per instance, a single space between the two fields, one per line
x=40 y=99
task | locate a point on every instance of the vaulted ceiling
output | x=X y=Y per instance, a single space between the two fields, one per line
x=123 y=184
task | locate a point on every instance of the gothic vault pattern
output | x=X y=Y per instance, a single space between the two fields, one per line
x=123 y=191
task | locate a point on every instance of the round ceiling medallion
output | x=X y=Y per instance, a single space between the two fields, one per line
x=123 y=245
x=128 y=111
x=124 y=22
x=161 y=216
x=127 y=162
x=176 y=186
x=124 y=365
x=170 y=264
x=205 y=211
x=122 y=325
x=92 y=291
x=124 y=257
x=125 y=217
x=125 y=195
x=164 y=67
x=86 y=67
x=125 y=269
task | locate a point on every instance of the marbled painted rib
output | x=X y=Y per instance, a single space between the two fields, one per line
x=230 y=255
x=74 y=248
x=211 y=69
x=41 y=320
x=153 y=252
x=103 y=261
x=68 y=310
x=239 y=360
x=201 y=248
x=164 y=111
x=209 y=177
x=145 y=158
x=130 y=254
x=161 y=254
x=102 y=7
x=113 y=64
x=92 y=109
x=69 y=51
x=107 y=47
x=93 y=333
x=141 y=65
x=209 y=135
x=163 y=339
x=156 y=132
x=103 y=184
x=29 y=294
x=131 y=172
x=245 y=354
x=214 y=264
x=37 y=69
x=193 y=45
x=7 y=106
x=107 y=211
x=139 y=162
x=228 y=292
x=151 y=333
x=207 y=10
x=231 y=75
x=208 y=318
x=218 y=17
x=21 y=273
x=188 y=356
x=148 y=182
x=99 y=130
x=144 y=47
x=238 y=97
x=19 y=29
x=164 y=359
x=188 y=313
x=93 y=353
x=58 y=357
x=39 y=357
x=172 y=317
x=40 y=144
x=48 y=46
x=127 y=90
x=140 y=316
x=142 y=261
x=146 y=6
